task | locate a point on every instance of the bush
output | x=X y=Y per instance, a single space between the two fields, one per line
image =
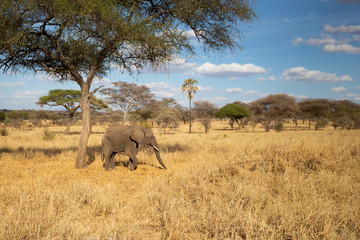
x=2 y=116
x=278 y=127
x=48 y=135
x=4 y=131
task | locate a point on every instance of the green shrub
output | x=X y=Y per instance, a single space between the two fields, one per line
x=278 y=127
x=48 y=135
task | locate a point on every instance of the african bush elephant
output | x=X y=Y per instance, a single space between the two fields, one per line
x=127 y=139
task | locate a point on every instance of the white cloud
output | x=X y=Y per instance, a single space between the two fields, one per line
x=350 y=29
x=14 y=103
x=177 y=65
x=356 y=38
x=300 y=97
x=12 y=84
x=331 y=44
x=354 y=96
x=205 y=89
x=234 y=90
x=229 y=70
x=271 y=78
x=102 y=81
x=2 y=96
x=338 y=89
x=163 y=89
x=28 y=94
x=303 y=75
x=239 y=90
x=342 y=48
x=191 y=35
x=314 y=41
x=46 y=78
x=219 y=99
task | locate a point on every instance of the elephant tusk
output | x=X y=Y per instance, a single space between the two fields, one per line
x=156 y=148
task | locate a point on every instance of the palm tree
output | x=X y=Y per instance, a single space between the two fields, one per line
x=189 y=88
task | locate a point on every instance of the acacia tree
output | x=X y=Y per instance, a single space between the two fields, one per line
x=273 y=109
x=69 y=99
x=316 y=110
x=78 y=40
x=18 y=117
x=167 y=118
x=189 y=89
x=45 y=116
x=236 y=113
x=128 y=97
x=345 y=114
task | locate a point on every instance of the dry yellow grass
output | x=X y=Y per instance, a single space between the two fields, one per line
x=221 y=185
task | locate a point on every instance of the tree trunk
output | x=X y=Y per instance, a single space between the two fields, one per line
x=190 y=115
x=71 y=116
x=86 y=126
x=124 y=118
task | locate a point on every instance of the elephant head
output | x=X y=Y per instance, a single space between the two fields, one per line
x=145 y=136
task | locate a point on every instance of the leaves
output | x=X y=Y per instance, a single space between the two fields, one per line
x=189 y=87
x=235 y=111
x=69 y=99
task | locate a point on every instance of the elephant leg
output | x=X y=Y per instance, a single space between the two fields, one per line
x=109 y=161
x=133 y=160
x=131 y=151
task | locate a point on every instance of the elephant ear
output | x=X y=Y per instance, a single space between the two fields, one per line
x=138 y=135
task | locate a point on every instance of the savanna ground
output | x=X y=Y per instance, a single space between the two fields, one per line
x=222 y=185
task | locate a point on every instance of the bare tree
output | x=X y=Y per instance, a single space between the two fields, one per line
x=167 y=118
x=205 y=111
x=128 y=97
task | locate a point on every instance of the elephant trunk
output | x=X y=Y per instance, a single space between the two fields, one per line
x=157 y=153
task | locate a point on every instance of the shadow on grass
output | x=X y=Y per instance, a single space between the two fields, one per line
x=29 y=153
x=92 y=151
x=74 y=133
x=125 y=164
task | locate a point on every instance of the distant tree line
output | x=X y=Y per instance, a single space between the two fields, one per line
x=273 y=111
x=136 y=104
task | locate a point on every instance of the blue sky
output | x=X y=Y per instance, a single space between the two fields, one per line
x=307 y=49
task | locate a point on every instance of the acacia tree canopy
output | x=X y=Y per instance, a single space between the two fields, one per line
x=273 y=108
x=235 y=112
x=128 y=97
x=69 y=99
x=316 y=110
x=78 y=40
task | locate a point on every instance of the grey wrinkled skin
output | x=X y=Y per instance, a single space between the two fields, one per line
x=126 y=139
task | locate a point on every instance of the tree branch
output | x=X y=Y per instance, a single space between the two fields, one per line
x=95 y=90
